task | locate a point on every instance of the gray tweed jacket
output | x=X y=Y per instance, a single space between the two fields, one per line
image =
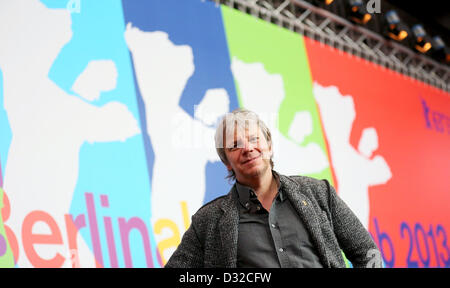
x=211 y=240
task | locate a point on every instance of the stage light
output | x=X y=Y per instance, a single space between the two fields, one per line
x=396 y=30
x=440 y=51
x=358 y=12
x=422 y=40
x=321 y=3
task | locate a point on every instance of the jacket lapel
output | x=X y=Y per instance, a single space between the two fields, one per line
x=228 y=227
x=306 y=211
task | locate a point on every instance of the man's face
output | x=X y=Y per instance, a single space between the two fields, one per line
x=248 y=153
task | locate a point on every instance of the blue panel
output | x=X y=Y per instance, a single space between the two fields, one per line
x=118 y=169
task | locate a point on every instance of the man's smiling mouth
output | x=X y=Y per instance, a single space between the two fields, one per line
x=251 y=159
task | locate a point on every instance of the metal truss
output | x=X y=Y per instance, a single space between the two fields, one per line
x=331 y=29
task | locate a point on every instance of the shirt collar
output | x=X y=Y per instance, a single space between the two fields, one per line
x=246 y=193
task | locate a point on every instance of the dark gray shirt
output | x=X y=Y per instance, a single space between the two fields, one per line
x=272 y=239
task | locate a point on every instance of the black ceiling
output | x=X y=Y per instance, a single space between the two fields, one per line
x=433 y=14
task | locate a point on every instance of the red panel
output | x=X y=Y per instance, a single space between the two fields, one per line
x=412 y=120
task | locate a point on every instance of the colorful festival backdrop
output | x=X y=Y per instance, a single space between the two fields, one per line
x=108 y=112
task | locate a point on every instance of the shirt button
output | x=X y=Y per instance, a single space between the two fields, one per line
x=273 y=225
x=281 y=250
x=258 y=207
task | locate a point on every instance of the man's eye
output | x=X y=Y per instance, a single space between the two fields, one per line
x=254 y=139
x=234 y=147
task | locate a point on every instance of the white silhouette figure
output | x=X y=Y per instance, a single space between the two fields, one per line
x=263 y=94
x=48 y=125
x=214 y=104
x=99 y=76
x=301 y=126
x=182 y=145
x=355 y=170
